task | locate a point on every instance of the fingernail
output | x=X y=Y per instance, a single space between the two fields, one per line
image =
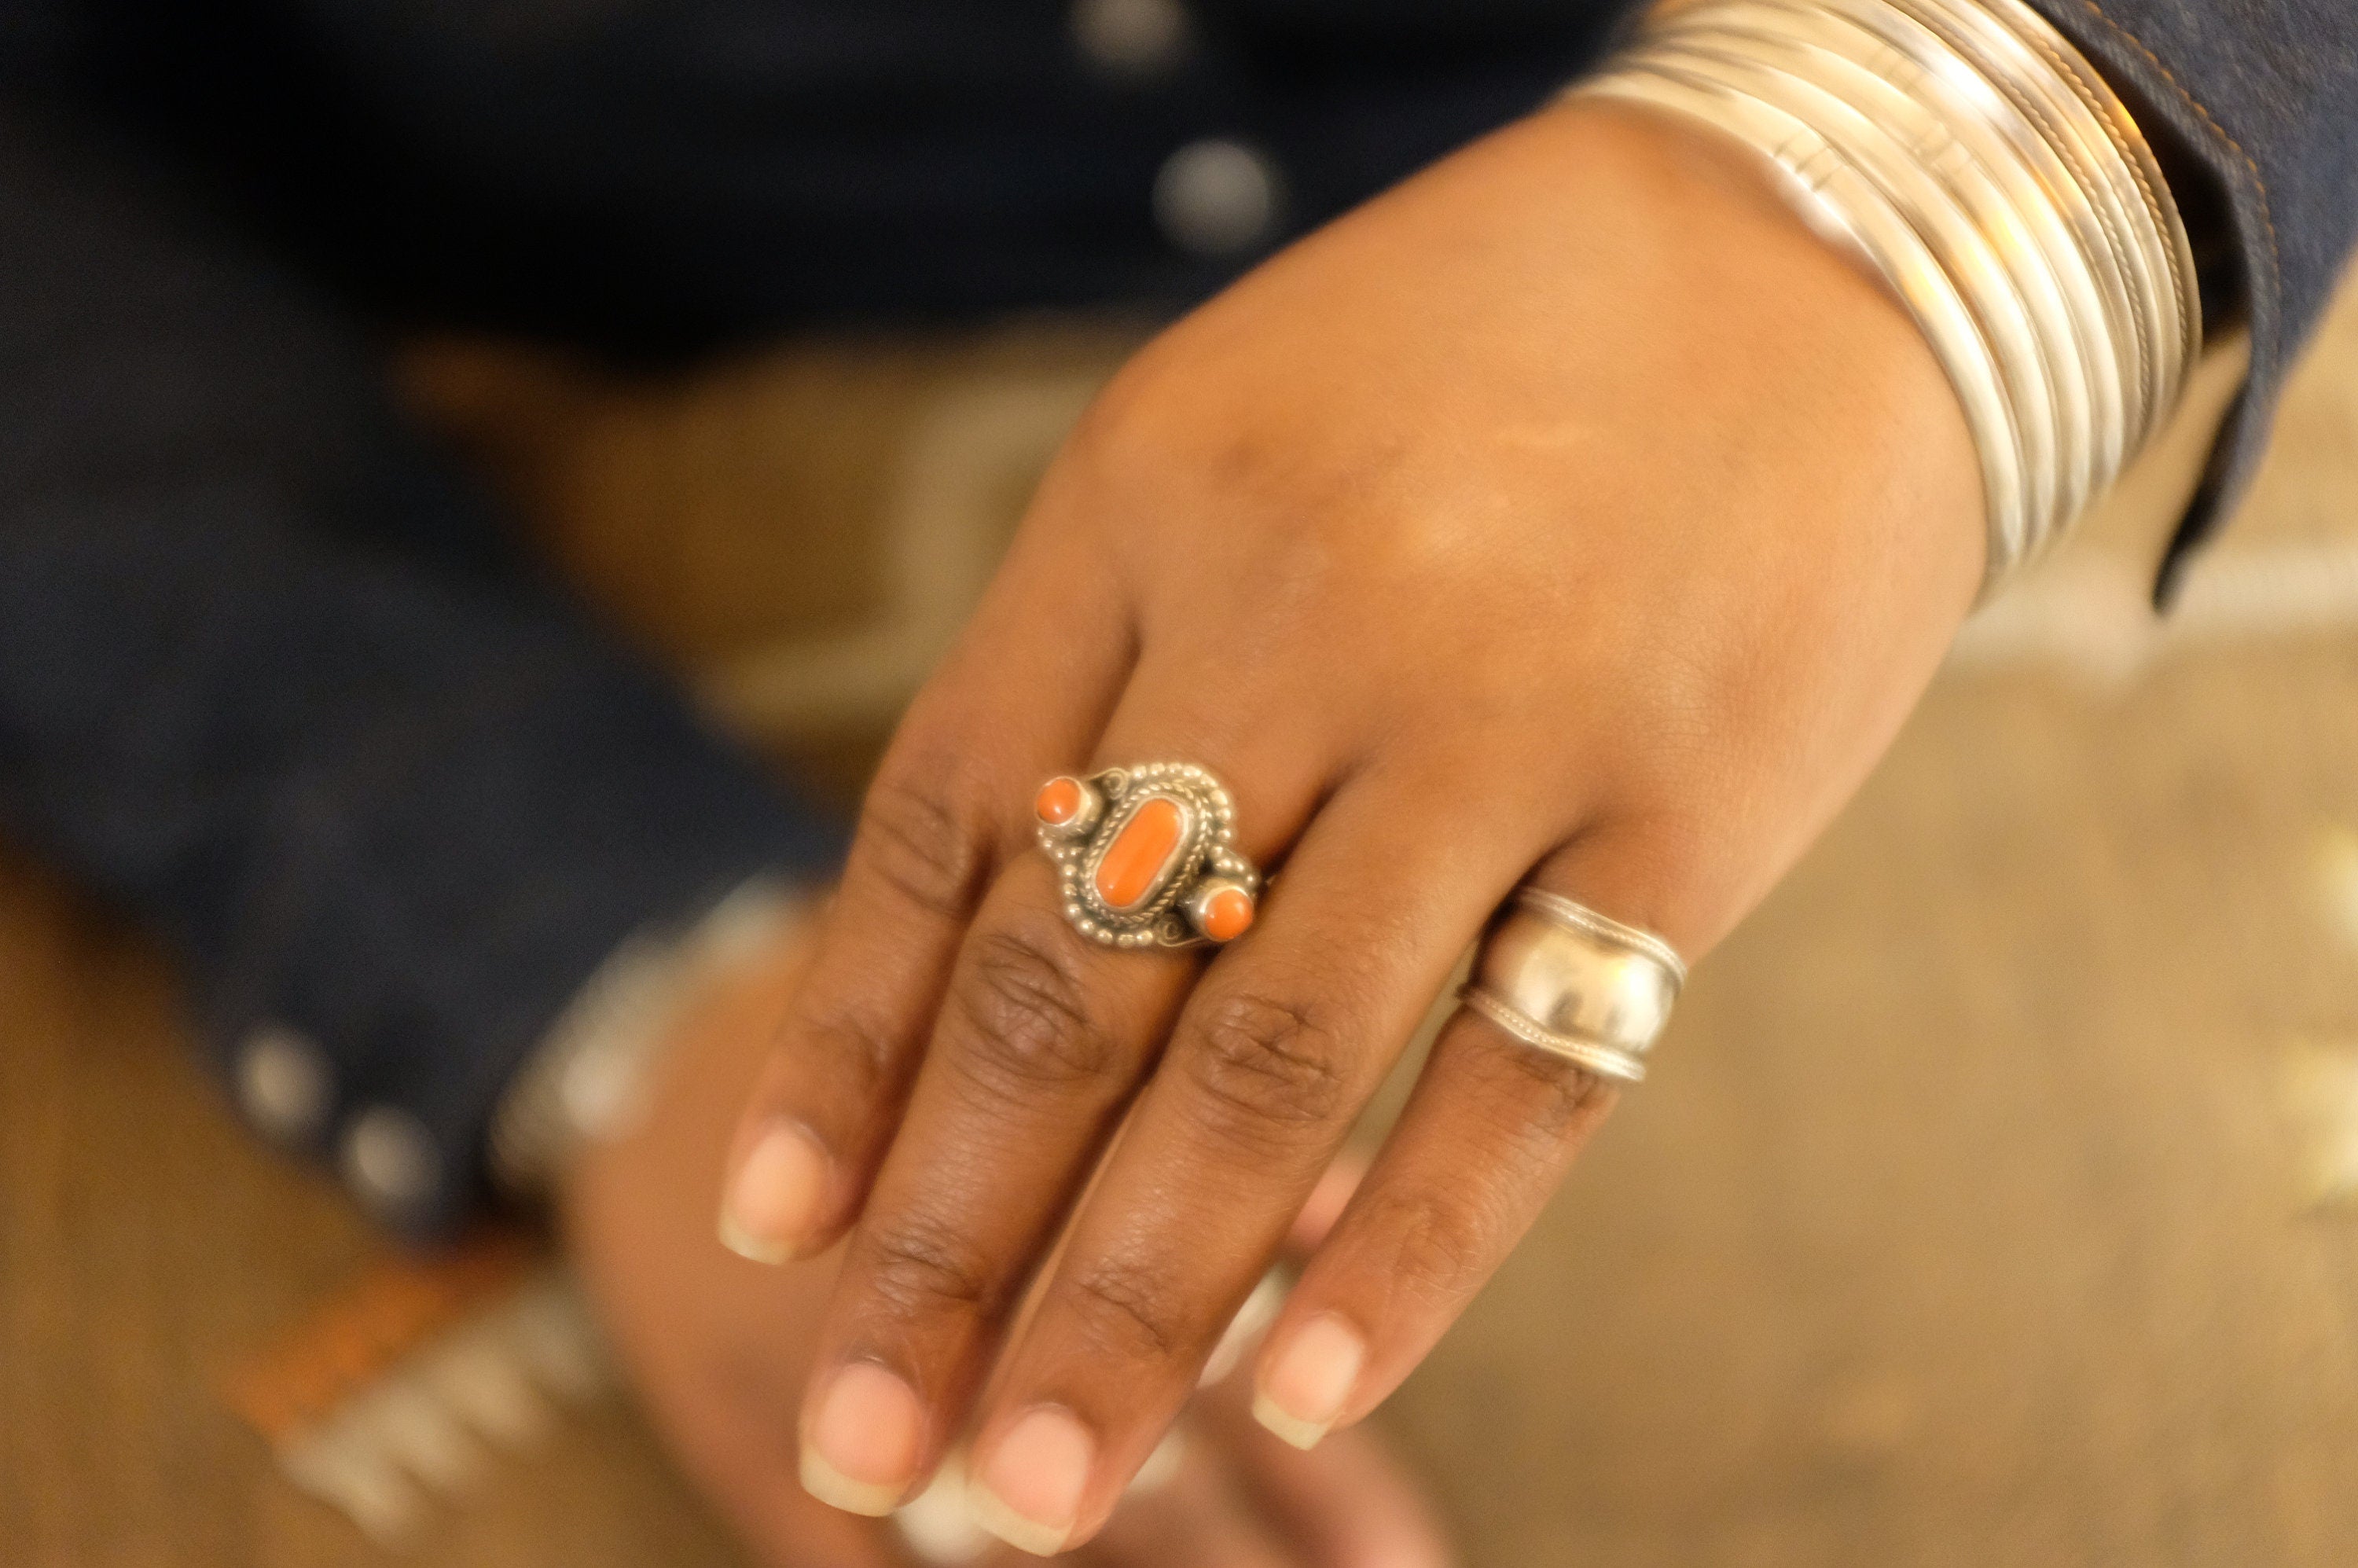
x=935 y=1524
x=861 y=1451
x=1303 y=1387
x=1028 y=1493
x=772 y=1202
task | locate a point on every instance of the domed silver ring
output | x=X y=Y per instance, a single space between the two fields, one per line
x=1558 y=976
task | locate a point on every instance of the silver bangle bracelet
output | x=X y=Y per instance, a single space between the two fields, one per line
x=2040 y=79
x=1968 y=259
x=1842 y=205
x=1991 y=174
x=2055 y=115
x=1817 y=46
x=2056 y=207
x=2166 y=229
x=1986 y=171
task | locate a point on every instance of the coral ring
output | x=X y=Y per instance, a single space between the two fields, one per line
x=1147 y=856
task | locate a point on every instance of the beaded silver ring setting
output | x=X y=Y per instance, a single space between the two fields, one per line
x=1146 y=856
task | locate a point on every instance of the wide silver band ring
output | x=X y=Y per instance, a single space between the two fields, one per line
x=1147 y=856
x=1560 y=977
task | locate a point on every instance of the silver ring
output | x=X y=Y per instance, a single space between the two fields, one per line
x=1558 y=976
x=1148 y=857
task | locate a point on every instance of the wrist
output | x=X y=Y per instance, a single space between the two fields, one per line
x=1971 y=161
x=1706 y=219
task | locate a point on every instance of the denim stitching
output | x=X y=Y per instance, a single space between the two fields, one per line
x=2259 y=182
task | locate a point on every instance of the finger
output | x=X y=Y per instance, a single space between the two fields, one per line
x=1041 y=1041
x=1350 y=1503
x=735 y=1447
x=790 y=1531
x=1325 y=1204
x=1201 y=1517
x=1277 y=1050
x=1011 y=707
x=1488 y=1132
x=938 y=1529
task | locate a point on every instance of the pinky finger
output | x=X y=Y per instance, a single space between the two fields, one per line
x=1486 y=1139
x=1198 y=1518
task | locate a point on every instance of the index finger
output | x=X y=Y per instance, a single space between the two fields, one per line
x=1006 y=708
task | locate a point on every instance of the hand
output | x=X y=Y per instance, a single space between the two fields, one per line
x=719 y=1349
x=715 y=1346
x=1570 y=513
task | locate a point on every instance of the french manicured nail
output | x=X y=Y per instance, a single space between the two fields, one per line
x=772 y=1202
x=860 y=1452
x=1304 y=1385
x=1028 y=1492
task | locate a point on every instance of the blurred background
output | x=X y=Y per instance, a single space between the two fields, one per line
x=1996 y=1199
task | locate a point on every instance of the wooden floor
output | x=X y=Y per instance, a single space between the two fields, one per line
x=1996 y=1201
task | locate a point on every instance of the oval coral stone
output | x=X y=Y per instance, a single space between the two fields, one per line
x=1140 y=856
x=1058 y=802
x=1228 y=915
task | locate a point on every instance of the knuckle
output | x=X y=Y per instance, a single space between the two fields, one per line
x=1537 y=1099
x=1129 y=1310
x=1266 y=1067
x=1025 y=1006
x=917 y=838
x=856 y=1055
x=920 y=1269
x=1441 y=1245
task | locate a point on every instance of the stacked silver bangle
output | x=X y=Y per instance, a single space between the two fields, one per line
x=1981 y=166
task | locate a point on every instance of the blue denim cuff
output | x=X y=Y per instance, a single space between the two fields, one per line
x=2262 y=96
x=420 y=910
